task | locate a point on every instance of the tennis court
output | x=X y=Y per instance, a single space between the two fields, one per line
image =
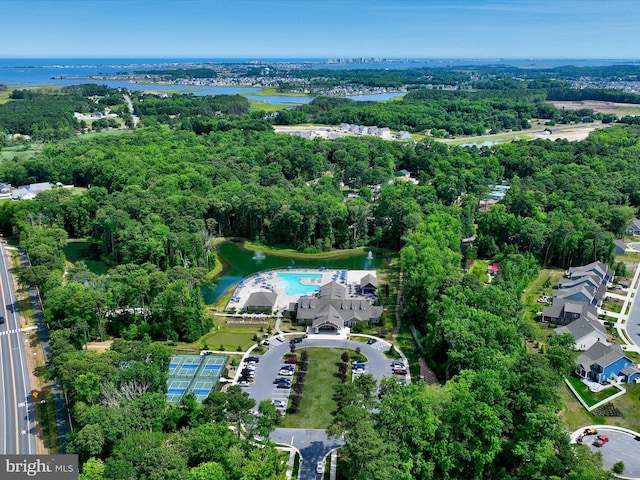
x=193 y=373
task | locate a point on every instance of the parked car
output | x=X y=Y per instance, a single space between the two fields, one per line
x=610 y=324
x=395 y=365
x=244 y=383
x=283 y=385
x=285 y=372
x=320 y=467
x=296 y=340
x=291 y=360
x=600 y=441
x=288 y=367
x=371 y=341
x=1 y=319
x=265 y=343
x=280 y=338
x=279 y=403
x=399 y=371
x=282 y=380
x=253 y=359
x=590 y=431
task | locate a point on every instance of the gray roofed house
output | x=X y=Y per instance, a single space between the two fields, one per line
x=634 y=228
x=602 y=362
x=369 y=284
x=620 y=247
x=563 y=312
x=591 y=280
x=29 y=192
x=261 y=302
x=579 y=293
x=599 y=268
x=585 y=333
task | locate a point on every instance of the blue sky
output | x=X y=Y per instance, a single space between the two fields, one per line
x=320 y=28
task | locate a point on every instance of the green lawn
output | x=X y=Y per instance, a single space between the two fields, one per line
x=589 y=397
x=87 y=253
x=317 y=405
x=574 y=416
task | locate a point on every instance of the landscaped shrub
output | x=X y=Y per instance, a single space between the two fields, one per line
x=618 y=468
x=608 y=410
x=344 y=357
x=304 y=355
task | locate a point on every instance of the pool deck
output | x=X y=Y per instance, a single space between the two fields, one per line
x=269 y=281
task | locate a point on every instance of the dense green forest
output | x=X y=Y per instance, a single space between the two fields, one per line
x=157 y=198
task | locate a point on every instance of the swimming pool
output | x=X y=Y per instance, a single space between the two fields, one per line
x=293 y=286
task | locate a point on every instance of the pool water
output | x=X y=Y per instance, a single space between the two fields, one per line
x=293 y=285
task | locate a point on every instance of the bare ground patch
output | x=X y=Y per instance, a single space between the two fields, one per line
x=598 y=106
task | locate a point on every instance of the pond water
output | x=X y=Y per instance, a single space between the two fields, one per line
x=242 y=263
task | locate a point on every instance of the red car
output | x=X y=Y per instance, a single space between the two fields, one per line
x=600 y=441
x=291 y=360
x=400 y=371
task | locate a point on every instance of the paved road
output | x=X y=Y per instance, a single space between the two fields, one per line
x=17 y=424
x=632 y=324
x=621 y=447
x=312 y=444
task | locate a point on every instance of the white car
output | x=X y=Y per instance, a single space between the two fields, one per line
x=320 y=467
x=285 y=373
x=279 y=403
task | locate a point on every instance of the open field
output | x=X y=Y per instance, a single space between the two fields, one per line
x=620 y=109
x=317 y=405
x=589 y=397
x=542 y=285
x=20 y=152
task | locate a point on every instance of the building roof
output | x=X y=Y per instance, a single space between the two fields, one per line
x=583 y=292
x=600 y=354
x=261 y=299
x=369 y=279
x=620 y=244
x=599 y=268
x=628 y=371
x=635 y=224
x=581 y=328
x=561 y=307
x=328 y=316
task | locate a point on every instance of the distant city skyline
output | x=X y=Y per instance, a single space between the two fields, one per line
x=542 y=29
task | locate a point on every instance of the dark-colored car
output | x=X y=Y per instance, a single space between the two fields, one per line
x=296 y=340
x=287 y=367
x=253 y=359
x=1 y=318
x=399 y=371
x=371 y=341
x=283 y=385
x=282 y=380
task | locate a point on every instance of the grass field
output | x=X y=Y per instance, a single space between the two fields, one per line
x=543 y=284
x=589 y=397
x=20 y=152
x=317 y=405
x=87 y=253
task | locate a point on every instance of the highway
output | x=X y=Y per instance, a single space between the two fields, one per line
x=17 y=424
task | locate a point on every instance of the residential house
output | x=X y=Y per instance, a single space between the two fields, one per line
x=585 y=332
x=563 y=312
x=604 y=362
x=492 y=270
x=620 y=247
x=579 y=293
x=597 y=268
x=369 y=284
x=591 y=280
x=498 y=192
x=634 y=228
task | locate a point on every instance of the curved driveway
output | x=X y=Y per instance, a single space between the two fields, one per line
x=312 y=444
x=621 y=447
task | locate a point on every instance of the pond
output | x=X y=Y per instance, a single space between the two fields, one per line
x=241 y=263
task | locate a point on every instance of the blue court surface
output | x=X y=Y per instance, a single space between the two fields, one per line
x=194 y=373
